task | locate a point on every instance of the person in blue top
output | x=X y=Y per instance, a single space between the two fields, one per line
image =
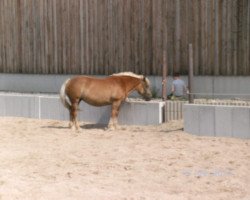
x=178 y=89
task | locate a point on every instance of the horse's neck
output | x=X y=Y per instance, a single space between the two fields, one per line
x=131 y=84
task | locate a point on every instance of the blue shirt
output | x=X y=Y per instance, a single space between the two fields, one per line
x=179 y=87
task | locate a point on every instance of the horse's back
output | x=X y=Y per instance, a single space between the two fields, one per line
x=92 y=82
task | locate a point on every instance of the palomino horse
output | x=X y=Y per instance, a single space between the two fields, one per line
x=111 y=90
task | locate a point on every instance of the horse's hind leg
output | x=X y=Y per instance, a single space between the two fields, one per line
x=73 y=115
x=71 y=119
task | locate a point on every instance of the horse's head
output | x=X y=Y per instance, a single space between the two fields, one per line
x=144 y=89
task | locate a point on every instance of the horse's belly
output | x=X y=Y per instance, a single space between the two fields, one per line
x=96 y=101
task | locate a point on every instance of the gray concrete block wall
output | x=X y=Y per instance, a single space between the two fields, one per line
x=206 y=120
x=217 y=120
x=19 y=106
x=99 y=115
x=222 y=118
x=191 y=115
x=144 y=113
x=240 y=122
x=30 y=83
x=50 y=107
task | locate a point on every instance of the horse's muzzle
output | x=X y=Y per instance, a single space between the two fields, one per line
x=147 y=98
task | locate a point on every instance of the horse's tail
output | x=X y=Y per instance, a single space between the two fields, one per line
x=63 y=96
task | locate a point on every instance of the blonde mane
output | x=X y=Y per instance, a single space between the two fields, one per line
x=128 y=74
x=132 y=75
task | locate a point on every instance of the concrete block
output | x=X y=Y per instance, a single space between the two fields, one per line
x=191 y=118
x=206 y=118
x=126 y=113
x=217 y=120
x=141 y=113
x=52 y=108
x=241 y=122
x=99 y=115
x=18 y=106
x=2 y=106
x=223 y=119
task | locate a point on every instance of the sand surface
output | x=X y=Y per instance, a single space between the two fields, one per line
x=43 y=159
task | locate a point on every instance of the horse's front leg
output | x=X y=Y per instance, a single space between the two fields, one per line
x=113 y=122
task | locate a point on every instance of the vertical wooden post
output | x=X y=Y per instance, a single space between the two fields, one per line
x=190 y=75
x=164 y=76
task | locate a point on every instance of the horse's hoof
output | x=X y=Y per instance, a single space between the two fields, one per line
x=70 y=125
x=78 y=130
x=110 y=128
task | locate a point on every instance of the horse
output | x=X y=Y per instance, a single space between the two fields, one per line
x=111 y=90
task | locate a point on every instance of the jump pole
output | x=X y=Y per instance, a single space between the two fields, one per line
x=190 y=74
x=164 y=76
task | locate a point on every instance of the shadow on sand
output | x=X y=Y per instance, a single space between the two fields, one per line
x=85 y=126
x=94 y=126
x=56 y=127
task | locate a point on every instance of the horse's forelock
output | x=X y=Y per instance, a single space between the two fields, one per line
x=147 y=80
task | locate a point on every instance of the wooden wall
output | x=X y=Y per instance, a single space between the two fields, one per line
x=107 y=36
